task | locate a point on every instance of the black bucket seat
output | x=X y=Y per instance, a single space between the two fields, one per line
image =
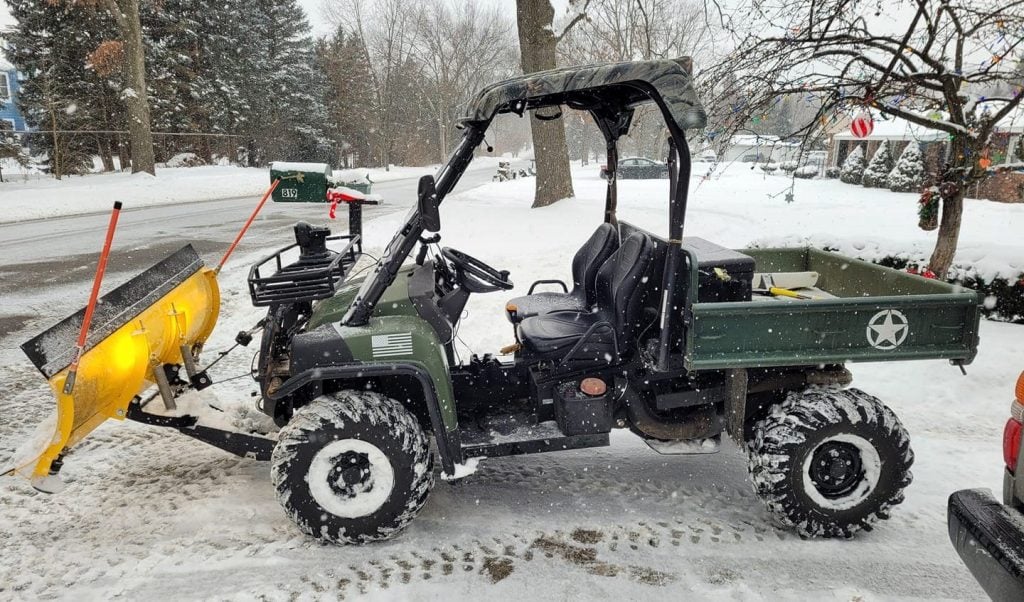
x=610 y=330
x=585 y=264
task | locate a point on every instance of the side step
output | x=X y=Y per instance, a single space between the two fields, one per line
x=526 y=439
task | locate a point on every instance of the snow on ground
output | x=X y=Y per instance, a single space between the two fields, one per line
x=42 y=198
x=149 y=513
x=37 y=197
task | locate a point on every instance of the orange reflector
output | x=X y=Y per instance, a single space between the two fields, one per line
x=1020 y=388
x=511 y=308
x=593 y=386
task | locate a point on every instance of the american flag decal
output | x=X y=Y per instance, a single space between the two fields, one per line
x=390 y=345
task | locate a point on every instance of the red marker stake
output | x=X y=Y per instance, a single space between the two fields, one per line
x=252 y=217
x=69 y=382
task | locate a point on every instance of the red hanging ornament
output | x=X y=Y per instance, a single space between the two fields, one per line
x=862 y=125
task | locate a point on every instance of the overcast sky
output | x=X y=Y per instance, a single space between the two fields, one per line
x=313 y=12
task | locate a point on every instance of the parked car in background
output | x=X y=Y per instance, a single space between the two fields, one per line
x=988 y=535
x=633 y=168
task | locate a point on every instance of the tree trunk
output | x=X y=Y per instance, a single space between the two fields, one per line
x=103 y=148
x=137 y=100
x=537 y=47
x=55 y=160
x=949 y=234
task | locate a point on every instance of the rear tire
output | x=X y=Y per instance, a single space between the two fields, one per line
x=830 y=462
x=352 y=467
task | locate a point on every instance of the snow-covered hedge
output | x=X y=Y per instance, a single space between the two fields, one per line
x=806 y=172
x=908 y=174
x=877 y=173
x=769 y=167
x=853 y=167
x=833 y=172
x=788 y=166
x=1003 y=297
x=185 y=160
x=1000 y=280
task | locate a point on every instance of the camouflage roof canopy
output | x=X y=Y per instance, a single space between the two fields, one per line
x=617 y=86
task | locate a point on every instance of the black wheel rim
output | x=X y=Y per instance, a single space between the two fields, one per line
x=350 y=475
x=836 y=468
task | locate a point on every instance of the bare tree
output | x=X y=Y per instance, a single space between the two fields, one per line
x=929 y=62
x=537 y=45
x=387 y=30
x=460 y=51
x=626 y=30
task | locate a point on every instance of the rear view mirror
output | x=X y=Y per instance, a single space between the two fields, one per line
x=430 y=217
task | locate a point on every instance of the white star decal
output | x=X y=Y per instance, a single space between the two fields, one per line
x=887 y=329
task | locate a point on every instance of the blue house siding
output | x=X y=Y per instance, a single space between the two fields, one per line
x=8 y=106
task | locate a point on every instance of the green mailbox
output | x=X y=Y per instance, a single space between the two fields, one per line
x=300 y=182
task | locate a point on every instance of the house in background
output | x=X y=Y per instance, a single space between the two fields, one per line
x=10 y=116
x=1004 y=184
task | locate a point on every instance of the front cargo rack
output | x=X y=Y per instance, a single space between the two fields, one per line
x=315 y=275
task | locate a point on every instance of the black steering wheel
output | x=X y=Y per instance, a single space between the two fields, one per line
x=474 y=275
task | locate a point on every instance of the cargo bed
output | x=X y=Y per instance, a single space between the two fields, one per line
x=859 y=312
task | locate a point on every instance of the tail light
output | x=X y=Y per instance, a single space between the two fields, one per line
x=1012 y=430
x=1011 y=443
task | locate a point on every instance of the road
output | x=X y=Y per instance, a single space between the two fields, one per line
x=42 y=260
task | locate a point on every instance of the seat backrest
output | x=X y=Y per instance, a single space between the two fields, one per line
x=620 y=285
x=589 y=259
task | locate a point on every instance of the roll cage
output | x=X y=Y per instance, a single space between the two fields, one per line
x=610 y=92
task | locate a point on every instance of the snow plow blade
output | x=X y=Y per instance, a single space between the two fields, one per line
x=154 y=319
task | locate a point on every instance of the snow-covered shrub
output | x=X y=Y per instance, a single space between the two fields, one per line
x=806 y=172
x=1003 y=297
x=908 y=174
x=832 y=172
x=768 y=167
x=1002 y=290
x=185 y=160
x=788 y=166
x=853 y=167
x=877 y=173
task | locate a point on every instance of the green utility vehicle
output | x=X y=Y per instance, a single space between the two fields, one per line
x=677 y=339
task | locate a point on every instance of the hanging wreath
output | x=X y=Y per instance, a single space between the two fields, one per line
x=928 y=209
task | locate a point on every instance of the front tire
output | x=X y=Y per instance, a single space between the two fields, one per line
x=352 y=467
x=830 y=462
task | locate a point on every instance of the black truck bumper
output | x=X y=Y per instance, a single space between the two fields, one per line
x=989 y=537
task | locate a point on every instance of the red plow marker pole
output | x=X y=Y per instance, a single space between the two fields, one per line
x=69 y=382
x=242 y=232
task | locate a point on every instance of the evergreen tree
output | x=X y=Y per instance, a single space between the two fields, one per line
x=853 y=167
x=195 y=72
x=285 y=115
x=350 y=108
x=877 y=172
x=909 y=172
x=52 y=45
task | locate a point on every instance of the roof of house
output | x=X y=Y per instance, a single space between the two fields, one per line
x=896 y=128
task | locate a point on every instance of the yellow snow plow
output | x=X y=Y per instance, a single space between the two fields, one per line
x=155 y=321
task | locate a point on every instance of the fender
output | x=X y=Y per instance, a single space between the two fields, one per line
x=449 y=444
